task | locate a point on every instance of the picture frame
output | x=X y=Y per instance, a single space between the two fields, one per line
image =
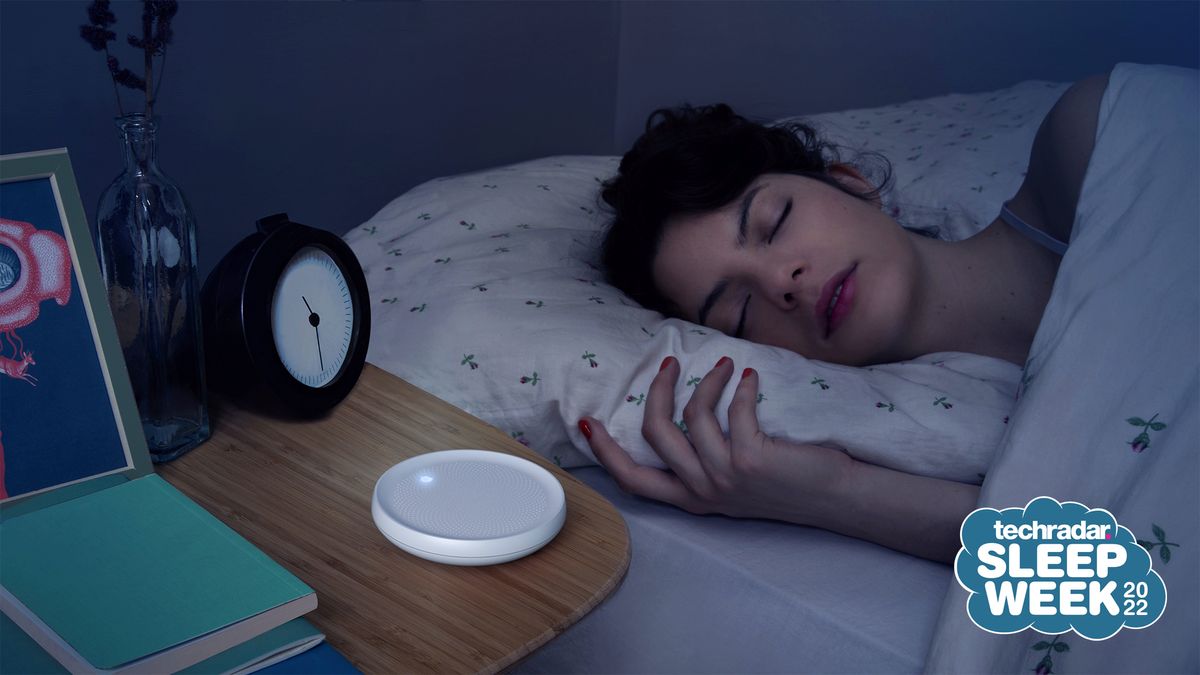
x=69 y=422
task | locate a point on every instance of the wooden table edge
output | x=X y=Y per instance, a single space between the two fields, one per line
x=583 y=610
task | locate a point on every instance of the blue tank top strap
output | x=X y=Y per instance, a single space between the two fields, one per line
x=1038 y=236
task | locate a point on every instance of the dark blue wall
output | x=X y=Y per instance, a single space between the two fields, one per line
x=324 y=110
x=328 y=110
x=774 y=59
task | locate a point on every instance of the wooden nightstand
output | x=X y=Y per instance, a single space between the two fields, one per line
x=301 y=491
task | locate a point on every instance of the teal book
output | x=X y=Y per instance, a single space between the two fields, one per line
x=273 y=647
x=104 y=566
x=277 y=648
x=138 y=577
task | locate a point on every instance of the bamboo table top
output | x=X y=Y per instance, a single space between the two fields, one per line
x=301 y=492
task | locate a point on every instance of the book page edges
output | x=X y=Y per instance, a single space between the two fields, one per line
x=170 y=660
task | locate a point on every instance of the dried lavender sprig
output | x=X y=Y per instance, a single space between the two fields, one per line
x=100 y=14
x=98 y=36
x=165 y=11
x=148 y=54
x=154 y=12
x=156 y=35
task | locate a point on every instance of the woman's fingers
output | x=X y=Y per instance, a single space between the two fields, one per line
x=701 y=420
x=702 y=467
x=634 y=478
x=658 y=426
x=743 y=413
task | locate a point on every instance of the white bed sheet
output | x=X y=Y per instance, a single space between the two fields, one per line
x=723 y=595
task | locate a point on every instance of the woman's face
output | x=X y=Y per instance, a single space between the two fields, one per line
x=769 y=266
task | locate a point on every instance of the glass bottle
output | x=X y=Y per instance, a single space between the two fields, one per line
x=146 y=240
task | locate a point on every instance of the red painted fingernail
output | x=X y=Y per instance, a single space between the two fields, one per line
x=723 y=361
x=666 y=362
x=746 y=373
x=587 y=430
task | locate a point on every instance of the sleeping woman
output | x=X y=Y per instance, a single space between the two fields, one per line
x=750 y=230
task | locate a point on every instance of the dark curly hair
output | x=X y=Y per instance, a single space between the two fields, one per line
x=694 y=160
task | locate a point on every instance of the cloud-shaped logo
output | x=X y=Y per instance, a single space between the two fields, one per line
x=1056 y=566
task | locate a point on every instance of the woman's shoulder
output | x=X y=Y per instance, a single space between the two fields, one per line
x=1059 y=159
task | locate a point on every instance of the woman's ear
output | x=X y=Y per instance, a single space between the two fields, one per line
x=852 y=178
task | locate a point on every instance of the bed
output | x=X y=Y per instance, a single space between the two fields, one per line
x=487 y=293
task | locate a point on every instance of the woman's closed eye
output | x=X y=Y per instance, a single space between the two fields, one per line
x=782 y=217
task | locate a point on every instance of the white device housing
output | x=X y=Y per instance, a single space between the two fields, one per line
x=468 y=507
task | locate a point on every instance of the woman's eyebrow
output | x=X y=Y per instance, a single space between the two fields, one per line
x=744 y=219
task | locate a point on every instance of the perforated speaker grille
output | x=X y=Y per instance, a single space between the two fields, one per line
x=468 y=499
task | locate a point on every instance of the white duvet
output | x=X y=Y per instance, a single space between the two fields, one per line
x=1109 y=415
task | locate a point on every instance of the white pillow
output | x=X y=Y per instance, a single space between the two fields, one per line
x=487 y=293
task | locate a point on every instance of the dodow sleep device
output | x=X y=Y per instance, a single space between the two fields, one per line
x=468 y=507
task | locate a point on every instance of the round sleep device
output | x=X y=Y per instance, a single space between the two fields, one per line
x=468 y=507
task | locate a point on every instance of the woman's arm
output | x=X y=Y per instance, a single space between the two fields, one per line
x=751 y=475
x=915 y=514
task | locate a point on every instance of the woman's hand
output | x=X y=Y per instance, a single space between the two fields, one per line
x=747 y=474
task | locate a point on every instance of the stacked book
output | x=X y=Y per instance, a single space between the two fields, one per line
x=138 y=578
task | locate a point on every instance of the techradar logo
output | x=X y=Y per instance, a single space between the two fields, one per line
x=1056 y=567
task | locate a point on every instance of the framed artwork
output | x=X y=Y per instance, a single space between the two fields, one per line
x=68 y=420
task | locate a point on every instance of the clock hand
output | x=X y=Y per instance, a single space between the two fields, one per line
x=315 y=320
x=322 y=358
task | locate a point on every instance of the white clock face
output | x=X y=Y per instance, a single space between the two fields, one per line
x=312 y=317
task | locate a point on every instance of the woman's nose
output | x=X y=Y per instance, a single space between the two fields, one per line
x=788 y=291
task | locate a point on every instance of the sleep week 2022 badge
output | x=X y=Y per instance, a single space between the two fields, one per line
x=1056 y=567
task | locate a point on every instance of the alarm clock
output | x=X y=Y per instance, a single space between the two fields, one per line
x=287 y=311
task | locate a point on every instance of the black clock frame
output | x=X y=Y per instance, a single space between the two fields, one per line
x=240 y=349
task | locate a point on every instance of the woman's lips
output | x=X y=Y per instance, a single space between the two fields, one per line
x=845 y=303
